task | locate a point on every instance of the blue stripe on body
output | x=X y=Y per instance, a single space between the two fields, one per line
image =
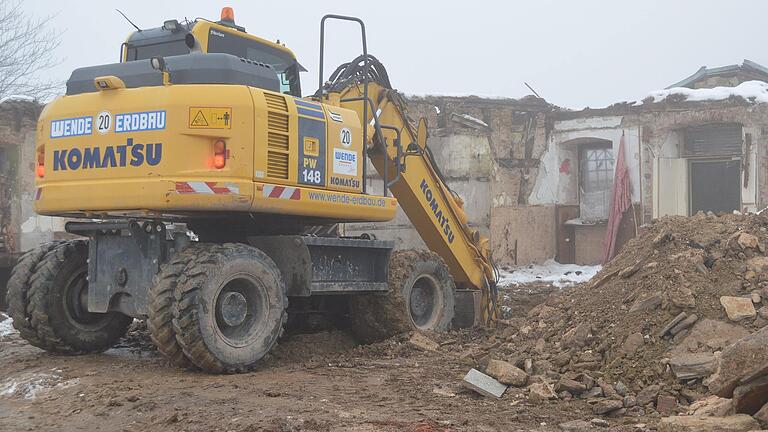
x=306 y=104
x=310 y=113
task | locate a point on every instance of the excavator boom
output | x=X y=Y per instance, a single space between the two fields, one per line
x=400 y=155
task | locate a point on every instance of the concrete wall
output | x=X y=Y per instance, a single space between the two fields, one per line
x=523 y=235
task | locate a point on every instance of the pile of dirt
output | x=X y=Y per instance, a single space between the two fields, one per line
x=654 y=317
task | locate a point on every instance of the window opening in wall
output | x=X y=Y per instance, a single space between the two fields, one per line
x=596 y=165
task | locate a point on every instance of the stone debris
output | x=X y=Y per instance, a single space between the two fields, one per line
x=738 y=308
x=735 y=423
x=749 y=398
x=422 y=342
x=506 y=373
x=684 y=324
x=666 y=404
x=670 y=325
x=541 y=392
x=606 y=406
x=711 y=406
x=674 y=324
x=647 y=303
x=576 y=426
x=483 y=384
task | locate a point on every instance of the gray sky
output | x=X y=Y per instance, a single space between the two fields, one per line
x=575 y=53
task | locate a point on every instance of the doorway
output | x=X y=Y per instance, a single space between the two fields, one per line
x=715 y=186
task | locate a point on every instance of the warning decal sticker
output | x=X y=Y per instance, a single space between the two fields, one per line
x=210 y=118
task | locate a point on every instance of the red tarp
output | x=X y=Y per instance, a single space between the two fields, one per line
x=620 y=202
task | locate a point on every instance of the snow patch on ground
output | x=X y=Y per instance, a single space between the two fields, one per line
x=552 y=272
x=753 y=91
x=32 y=385
x=6 y=326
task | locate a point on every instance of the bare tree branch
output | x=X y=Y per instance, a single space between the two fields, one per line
x=26 y=49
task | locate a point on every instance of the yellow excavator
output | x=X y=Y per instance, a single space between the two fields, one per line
x=206 y=192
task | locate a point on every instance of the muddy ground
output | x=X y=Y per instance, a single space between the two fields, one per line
x=313 y=382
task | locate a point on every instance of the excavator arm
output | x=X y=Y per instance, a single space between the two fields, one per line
x=399 y=152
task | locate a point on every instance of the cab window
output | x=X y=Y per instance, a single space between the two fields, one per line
x=285 y=65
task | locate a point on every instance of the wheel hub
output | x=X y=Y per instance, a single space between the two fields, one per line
x=233 y=308
x=422 y=301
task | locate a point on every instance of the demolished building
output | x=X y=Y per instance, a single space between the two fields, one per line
x=536 y=178
x=539 y=178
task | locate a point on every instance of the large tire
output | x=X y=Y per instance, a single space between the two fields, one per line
x=160 y=319
x=230 y=307
x=56 y=310
x=17 y=297
x=421 y=297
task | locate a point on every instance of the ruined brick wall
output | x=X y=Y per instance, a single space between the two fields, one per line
x=489 y=151
x=662 y=123
x=17 y=159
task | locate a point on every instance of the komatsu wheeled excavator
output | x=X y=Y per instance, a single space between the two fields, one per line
x=196 y=177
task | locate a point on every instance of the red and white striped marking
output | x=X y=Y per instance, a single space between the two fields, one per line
x=282 y=192
x=209 y=188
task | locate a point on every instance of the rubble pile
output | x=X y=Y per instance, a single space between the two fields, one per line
x=647 y=334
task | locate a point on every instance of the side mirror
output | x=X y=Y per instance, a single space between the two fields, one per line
x=158 y=63
x=422 y=134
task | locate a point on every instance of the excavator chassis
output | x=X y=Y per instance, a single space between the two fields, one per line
x=124 y=258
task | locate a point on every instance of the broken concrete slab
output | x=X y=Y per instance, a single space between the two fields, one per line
x=738 y=308
x=746 y=357
x=713 y=334
x=506 y=373
x=688 y=366
x=483 y=384
x=734 y=423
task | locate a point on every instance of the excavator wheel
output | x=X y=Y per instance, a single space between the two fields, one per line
x=229 y=307
x=57 y=305
x=421 y=297
x=160 y=316
x=17 y=297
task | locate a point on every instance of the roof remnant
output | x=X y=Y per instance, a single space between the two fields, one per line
x=752 y=70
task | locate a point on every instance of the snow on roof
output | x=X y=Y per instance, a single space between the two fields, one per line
x=18 y=98
x=753 y=91
x=559 y=275
x=474 y=120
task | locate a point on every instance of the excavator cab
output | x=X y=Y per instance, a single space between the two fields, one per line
x=175 y=38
